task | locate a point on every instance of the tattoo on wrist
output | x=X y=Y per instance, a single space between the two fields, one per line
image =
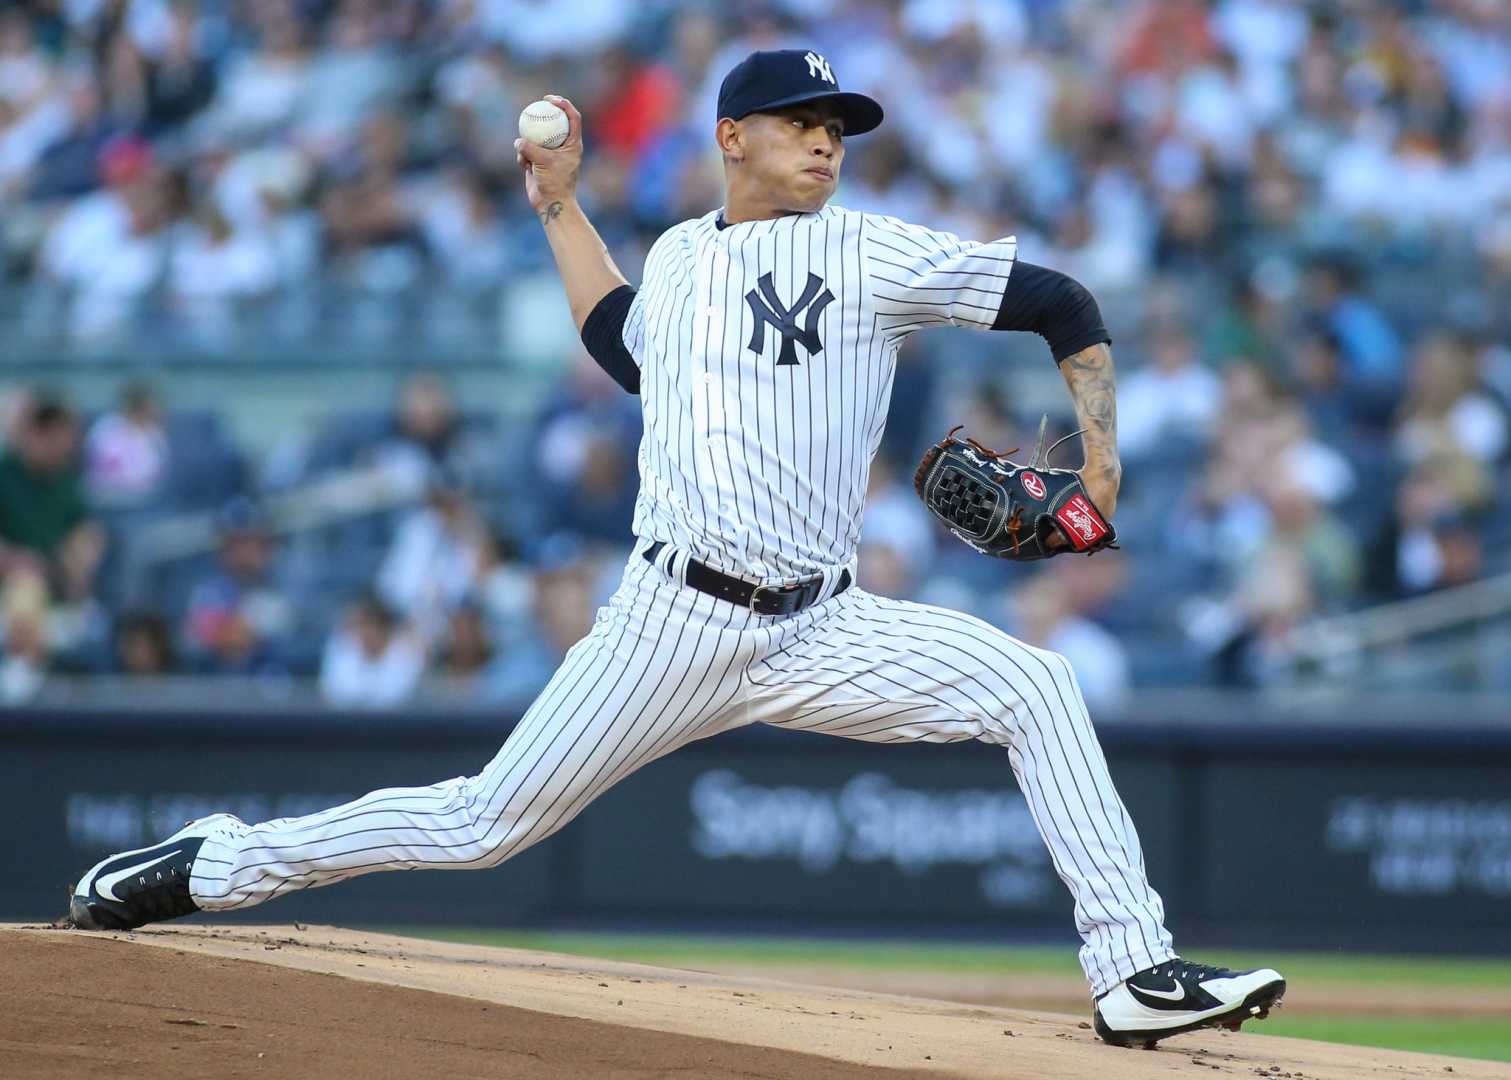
x=551 y=213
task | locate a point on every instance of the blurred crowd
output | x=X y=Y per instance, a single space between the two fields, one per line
x=171 y=165
x=1297 y=217
x=436 y=584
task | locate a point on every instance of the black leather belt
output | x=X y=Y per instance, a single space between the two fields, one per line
x=761 y=599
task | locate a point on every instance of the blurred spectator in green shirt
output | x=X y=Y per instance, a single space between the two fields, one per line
x=45 y=524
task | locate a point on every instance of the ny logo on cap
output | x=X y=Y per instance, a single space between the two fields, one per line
x=818 y=68
x=767 y=308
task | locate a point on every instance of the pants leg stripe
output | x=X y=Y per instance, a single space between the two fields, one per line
x=1055 y=814
x=1127 y=823
x=607 y=778
x=1044 y=809
x=675 y=734
x=567 y=724
x=433 y=838
x=828 y=727
x=991 y=642
x=621 y=712
x=379 y=802
x=1096 y=769
x=1077 y=724
x=374 y=804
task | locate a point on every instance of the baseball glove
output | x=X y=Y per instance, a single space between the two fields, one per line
x=1008 y=510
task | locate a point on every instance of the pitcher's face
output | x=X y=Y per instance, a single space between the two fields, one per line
x=793 y=155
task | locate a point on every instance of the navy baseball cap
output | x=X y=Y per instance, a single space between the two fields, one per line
x=775 y=78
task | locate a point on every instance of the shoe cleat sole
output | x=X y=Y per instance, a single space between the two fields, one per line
x=84 y=915
x=1259 y=1011
x=1256 y=1006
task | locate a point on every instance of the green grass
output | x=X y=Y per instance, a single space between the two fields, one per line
x=1478 y=1037
x=703 y=950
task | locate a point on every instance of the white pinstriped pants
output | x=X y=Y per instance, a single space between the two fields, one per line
x=664 y=665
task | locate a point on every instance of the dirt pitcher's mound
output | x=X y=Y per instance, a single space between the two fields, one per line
x=287 y=1003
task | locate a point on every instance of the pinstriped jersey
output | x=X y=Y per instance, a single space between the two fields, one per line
x=766 y=353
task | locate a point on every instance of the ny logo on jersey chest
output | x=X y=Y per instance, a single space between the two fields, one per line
x=768 y=308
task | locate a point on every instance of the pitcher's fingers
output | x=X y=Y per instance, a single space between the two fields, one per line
x=574 y=118
x=529 y=152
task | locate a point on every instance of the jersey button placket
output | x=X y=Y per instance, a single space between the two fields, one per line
x=719 y=481
x=710 y=388
x=708 y=410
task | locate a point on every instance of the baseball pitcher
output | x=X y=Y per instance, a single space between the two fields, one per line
x=761 y=342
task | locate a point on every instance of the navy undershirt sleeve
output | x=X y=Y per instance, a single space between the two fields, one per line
x=603 y=334
x=1053 y=305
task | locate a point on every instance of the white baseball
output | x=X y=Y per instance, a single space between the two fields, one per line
x=544 y=124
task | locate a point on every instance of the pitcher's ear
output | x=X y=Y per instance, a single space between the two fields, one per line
x=730 y=138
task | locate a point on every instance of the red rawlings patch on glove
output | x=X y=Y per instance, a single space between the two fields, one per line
x=1080 y=522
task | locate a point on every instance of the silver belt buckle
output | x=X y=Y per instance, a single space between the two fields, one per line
x=816 y=583
x=755 y=594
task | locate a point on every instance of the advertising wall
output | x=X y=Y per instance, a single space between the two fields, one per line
x=1255 y=833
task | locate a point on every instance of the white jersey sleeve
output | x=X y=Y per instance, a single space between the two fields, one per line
x=922 y=277
x=633 y=331
x=652 y=290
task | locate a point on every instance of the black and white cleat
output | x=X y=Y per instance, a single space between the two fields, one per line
x=1180 y=996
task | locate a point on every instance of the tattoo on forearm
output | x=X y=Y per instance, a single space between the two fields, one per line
x=551 y=213
x=1093 y=387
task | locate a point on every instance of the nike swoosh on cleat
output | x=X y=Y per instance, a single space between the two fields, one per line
x=1176 y=995
x=1169 y=995
x=105 y=884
